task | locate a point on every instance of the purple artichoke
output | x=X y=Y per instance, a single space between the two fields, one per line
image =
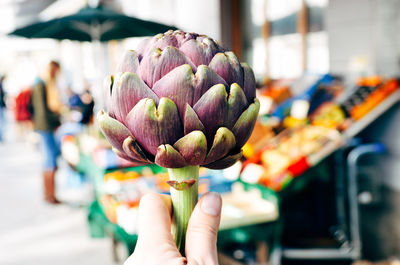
x=180 y=100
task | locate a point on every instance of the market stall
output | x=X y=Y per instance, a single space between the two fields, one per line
x=294 y=134
x=292 y=159
x=313 y=128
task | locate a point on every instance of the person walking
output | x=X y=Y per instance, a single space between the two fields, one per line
x=46 y=108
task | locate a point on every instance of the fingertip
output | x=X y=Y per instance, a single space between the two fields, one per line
x=153 y=200
x=211 y=204
x=149 y=198
x=168 y=202
x=154 y=216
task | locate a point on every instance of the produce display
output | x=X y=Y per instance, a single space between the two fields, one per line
x=93 y=147
x=180 y=101
x=260 y=137
x=285 y=156
x=370 y=92
x=121 y=193
x=301 y=139
x=329 y=115
x=277 y=92
x=123 y=189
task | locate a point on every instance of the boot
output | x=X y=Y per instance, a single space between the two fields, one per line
x=49 y=186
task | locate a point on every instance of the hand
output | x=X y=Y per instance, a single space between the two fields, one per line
x=155 y=244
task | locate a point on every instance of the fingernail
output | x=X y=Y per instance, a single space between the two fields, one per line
x=211 y=204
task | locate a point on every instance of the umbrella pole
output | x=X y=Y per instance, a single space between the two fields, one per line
x=99 y=62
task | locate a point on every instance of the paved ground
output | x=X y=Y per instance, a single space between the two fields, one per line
x=31 y=231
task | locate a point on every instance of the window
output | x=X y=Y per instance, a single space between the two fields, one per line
x=285 y=38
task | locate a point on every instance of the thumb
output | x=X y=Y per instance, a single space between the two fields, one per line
x=201 y=235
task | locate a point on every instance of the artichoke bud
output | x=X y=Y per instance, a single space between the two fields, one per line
x=180 y=100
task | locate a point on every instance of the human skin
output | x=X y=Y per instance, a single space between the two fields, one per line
x=155 y=242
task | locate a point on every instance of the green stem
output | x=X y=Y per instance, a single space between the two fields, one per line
x=183 y=202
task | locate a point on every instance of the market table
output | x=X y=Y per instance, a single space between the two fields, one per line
x=355 y=128
x=252 y=229
x=332 y=141
x=249 y=214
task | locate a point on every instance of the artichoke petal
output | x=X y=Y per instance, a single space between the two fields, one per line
x=133 y=150
x=128 y=90
x=113 y=130
x=249 y=82
x=193 y=147
x=168 y=157
x=199 y=52
x=211 y=109
x=203 y=80
x=227 y=65
x=224 y=141
x=129 y=63
x=177 y=86
x=183 y=37
x=153 y=126
x=191 y=121
x=245 y=124
x=126 y=157
x=159 y=41
x=237 y=103
x=158 y=63
x=165 y=40
x=225 y=162
x=107 y=92
x=142 y=47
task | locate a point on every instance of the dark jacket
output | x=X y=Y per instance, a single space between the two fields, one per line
x=2 y=96
x=43 y=118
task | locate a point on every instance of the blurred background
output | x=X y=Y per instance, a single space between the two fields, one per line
x=318 y=183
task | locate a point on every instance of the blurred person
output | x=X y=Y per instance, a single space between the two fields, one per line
x=46 y=108
x=83 y=103
x=2 y=107
x=80 y=114
x=71 y=125
x=74 y=100
x=87 y=107
x=155 y=244
x=22 y=113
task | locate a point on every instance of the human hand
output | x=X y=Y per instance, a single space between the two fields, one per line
x=155 y=243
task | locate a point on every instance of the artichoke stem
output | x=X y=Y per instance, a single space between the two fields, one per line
x=183 y=202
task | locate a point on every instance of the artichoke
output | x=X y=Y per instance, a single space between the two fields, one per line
x=180 y=100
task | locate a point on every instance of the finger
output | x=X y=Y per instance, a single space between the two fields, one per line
x=201 y=236
x=154 y=219
x=154 y=235
x=168 y=202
